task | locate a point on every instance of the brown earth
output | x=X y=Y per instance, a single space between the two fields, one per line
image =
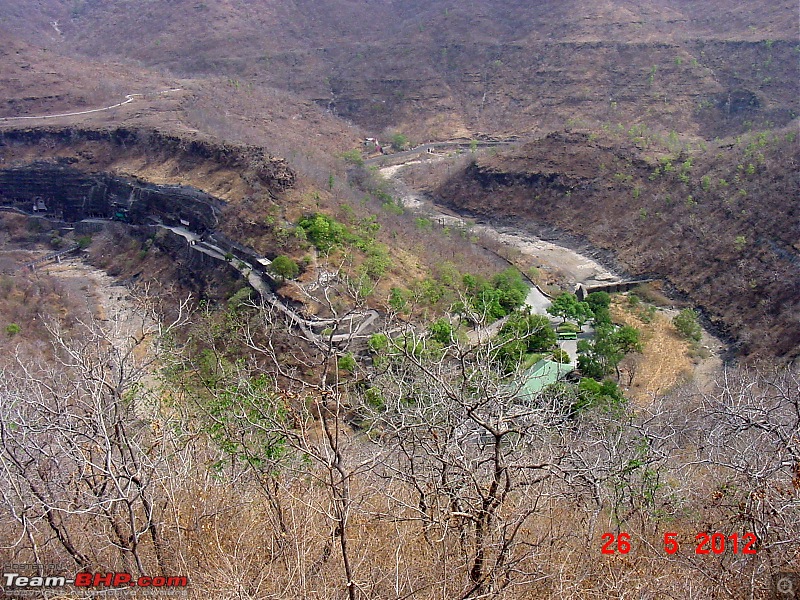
x=40 y=82
x=664 y=360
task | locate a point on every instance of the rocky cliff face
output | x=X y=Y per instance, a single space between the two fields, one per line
x=227 y=171
x=65 y=193
x=135 y=175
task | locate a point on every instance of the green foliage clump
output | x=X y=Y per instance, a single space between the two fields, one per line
x=377 y=262
x=560 y=356
x=239 y=298
x=567 y=306
x=511 y=287
x=13 y=329
x=442 y=331
x=399 y=141
x=378 y=342
x=323 y=231
x=522 y=334
x=597 y=300
x=602 y=316
x=374 y=398
x=604 y=395
x=686 y=324
x=284 y=267
x=347 y=363
x=397 y=299
x=601 y=357
x=326 y=233
x=494 y=299
x=249 y=400
x=353 y=157
x=429 y=290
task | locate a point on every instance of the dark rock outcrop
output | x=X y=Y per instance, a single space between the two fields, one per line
x=71 y=195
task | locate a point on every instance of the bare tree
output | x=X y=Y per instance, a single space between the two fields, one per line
x=85 y=448
x=750 y=448
x=282 y=414
x=481 y=459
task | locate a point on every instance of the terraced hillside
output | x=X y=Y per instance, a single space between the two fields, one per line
x=445 y=69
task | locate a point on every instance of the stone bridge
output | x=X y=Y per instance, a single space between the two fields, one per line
x=581 y=291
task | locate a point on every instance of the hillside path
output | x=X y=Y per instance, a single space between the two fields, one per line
x=128 y=99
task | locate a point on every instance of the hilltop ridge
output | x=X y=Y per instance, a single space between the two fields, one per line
x=445 y=69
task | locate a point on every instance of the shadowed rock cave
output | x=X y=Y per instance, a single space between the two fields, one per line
x=63 y=192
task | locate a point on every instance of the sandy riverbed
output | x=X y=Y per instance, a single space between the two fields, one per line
x=572 y=265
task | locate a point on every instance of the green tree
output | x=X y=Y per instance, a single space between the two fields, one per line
x=524 y=333
x=601 y=356
x=560 y=356
x=627 y=339
x=512 y=288
x=378 y=343
x=323 y=231
x=597 y=300
x=397 y=299
x=442 y=331
x=484 y=299
x=534 y=330
x=605 y=395
x=284 y=267
x=347 y=363
x=567 y=306
x=399 y=141
x=602 y=316
x=686 y=324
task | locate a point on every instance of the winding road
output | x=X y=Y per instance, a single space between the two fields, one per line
x=128 y=99
x=577 y=267
x=353 y=325
x=340 y=331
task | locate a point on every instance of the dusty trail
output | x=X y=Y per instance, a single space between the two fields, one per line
x=124 y=325
x=128 y=99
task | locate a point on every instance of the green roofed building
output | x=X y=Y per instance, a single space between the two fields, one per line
x=544 y=373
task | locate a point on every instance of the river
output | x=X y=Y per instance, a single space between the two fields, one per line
x=572 y=265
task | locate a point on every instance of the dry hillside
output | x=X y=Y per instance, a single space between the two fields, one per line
x=444 y=69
